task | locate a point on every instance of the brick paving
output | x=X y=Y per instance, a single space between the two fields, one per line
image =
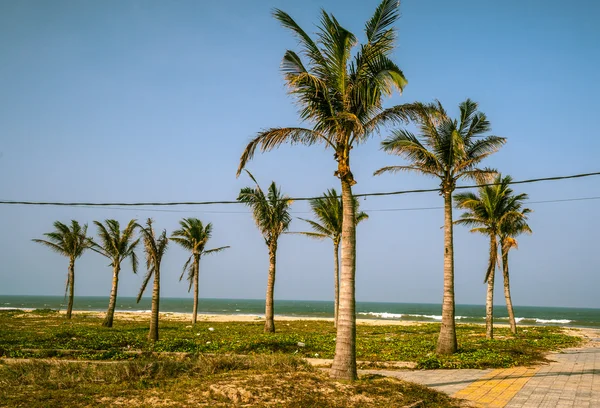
x=448 y=381
x=571 y=379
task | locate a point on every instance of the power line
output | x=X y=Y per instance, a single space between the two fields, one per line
x=441 y=207
x=175 y=203
x=308 y=212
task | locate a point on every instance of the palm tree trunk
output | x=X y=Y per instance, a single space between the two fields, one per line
x=509 y=307
x=112 y=302
x=153 y=333
x=196 y=279
x=489 y=300
x=336 y=281
x=447 y=339
x=71 y=286
x=344 y=361
x=269 y=312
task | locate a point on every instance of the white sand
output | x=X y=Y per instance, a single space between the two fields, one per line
x=586 y=333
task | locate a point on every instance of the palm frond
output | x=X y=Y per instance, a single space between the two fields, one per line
x=55 y=247
x=185 y=266
x=395 y=115
x=493 y=258
x=310 y=48
x=482 y=148
x=272 y=138
x=406 y=144
x=149 y=274
x=323 y=230
x=336 y=45
x=315 y=235
x=133 y=257
x=379 y=25
x=397 y=169
x=361 y=216
x=215 y=250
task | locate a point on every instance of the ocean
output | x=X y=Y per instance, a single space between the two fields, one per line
x=528 y=315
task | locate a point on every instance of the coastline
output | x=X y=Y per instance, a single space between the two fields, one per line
x=386 y=311
x=588 y=334
x=203 y=317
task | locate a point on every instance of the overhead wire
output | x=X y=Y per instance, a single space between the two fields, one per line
x=226 y=202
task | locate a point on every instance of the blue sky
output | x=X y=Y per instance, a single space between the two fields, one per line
x=156 y=100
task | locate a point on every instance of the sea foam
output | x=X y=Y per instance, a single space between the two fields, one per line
x=387 y=315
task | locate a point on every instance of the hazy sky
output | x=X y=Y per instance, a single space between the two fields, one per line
x=155 y=101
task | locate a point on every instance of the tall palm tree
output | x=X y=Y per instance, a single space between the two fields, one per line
x=449 y=150
x=117 y=246
x=328 y=211
x=193 y=237
x=70 y=242
x=510 y=228
x=154 y=248
x=486 y=211
x=340 y=94
x=272 y=217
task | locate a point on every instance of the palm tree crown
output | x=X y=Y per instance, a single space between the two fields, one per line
x=493 y=206
x=117 y=245
x=70 y=241
x=511 y=227
x=193 y=236
x=340 y=95
x=270 y=211
x=328 y=211
x=445 y=148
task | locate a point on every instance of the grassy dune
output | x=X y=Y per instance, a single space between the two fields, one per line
x=81 y=363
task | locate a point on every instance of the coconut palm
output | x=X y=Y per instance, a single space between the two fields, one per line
x=328 y=211
x=340 y=94
x=117 y=246
x=193 y=237
x=154 y=248
x=510 y=228
x=449 y=150
x=272 y=217
x=70 y=242
x=486 y=211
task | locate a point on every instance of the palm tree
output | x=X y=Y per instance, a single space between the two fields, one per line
x=486 y=211
x=340 y=95
x=449 y=150
x=117 y=246
x=328 y=211
x=70 y=242
x=154 y=248
x=272 y=217
x=193 y=237
x=510 y=228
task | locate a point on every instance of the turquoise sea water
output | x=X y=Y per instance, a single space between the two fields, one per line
x=574 y=317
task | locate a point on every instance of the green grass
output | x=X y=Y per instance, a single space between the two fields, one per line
x=232 y=363
x=215 y=381
x=48 y=334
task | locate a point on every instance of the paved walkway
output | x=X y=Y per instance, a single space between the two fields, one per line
x=572 y=379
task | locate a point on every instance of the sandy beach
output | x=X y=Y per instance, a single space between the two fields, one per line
x=138 y=316
x=586 y=333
